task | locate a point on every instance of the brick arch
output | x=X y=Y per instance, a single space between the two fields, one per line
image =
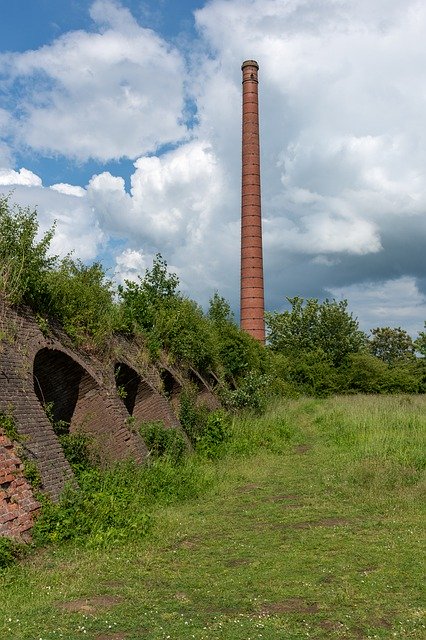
x=79 y=399
x=58 y=380
x=140 y=398
x=172 y=388
x=205 y=395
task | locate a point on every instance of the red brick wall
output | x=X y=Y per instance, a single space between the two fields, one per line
x=17 y=503
x=37 y=368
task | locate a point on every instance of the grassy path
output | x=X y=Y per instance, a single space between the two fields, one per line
x=306 y=539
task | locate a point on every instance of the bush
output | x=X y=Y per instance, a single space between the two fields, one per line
x=114 y=505
x=10 y=552
x=76 y=447
x=205 y=429
x=80 y=297
x=24 y=260
x=252 y=393
x=161 y=442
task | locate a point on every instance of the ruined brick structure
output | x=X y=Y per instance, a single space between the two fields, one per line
x=17 y=503
x=95 y=393
x=252 y=294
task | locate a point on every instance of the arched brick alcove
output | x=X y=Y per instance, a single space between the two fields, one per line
x=172 y=388
x=141 y=400
x=78 y=399
x=205 y=396
x=59 y=381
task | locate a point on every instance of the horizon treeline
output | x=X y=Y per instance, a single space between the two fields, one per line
x=314 y=348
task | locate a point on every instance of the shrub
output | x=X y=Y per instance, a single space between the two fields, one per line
x=114 y=505
x=80 y=297
x=163 y=442
x=10 y=552
x=24 y=260
x=205 y=429
x=313 y=326
x=76 y=447
x=253 y=393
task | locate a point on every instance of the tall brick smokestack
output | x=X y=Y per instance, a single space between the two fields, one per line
x=252 y=296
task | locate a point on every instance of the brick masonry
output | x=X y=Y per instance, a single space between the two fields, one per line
x=95 y=393
x=252 y=290
x=17 y=503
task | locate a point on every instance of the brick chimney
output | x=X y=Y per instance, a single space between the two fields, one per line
x=252 y=296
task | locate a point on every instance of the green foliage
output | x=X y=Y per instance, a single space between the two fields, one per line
x=113 y=505
x=420 y=343
x=219 y=311
x=80 y=297
x=365 y=373
x=239 y=353
x=182 y=329
x=162 y=442
x=216 y=431
x=391 y=345
x=168 y=320
x=191 y=417
x=206 y=430
x=313 y=326
x=24 y=260
x=76 y=447
x=31 y=472
x=10 y=552
x=96 y=514
x=252 y=393
x=8 y=426
x=141 y=300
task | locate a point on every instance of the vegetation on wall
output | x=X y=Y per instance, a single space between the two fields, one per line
x=313 y=348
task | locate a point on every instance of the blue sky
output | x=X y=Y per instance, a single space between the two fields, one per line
x=121 y=121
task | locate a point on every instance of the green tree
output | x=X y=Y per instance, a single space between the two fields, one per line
x=140 y=301
x=239 y=353
x=81 y=298
x=420 y=342
x=392 y=345
x=326 y=328
x=24 y=259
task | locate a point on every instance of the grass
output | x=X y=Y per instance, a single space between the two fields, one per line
x=310 y=526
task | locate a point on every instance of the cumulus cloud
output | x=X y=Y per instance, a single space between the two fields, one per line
x=115 y=92
x=77 y=230
x=130 y=265
x=343 y=143
x=392 y=303
x=8 y=177
x=342 y=134
x=69 y=189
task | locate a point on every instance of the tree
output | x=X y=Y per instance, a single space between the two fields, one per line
x=81 y=298
x=140 y=301
x=326 y=328
x=420 y=342
x=392 y=345
x=24 y=260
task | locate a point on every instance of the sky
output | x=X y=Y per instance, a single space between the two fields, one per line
x=121 y=120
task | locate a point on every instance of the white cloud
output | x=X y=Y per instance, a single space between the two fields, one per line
x=8 y=177
x=343 y=140
x=172 y=197
x=129 y=265
x=392 y=303
x=112 y=93
x=69 y=189
x=77 y=230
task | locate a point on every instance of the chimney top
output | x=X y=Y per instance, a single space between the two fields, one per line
x=250 y=63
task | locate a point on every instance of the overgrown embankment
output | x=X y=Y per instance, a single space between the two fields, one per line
x=307 y=522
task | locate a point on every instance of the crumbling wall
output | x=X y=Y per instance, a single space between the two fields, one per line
x=17 y=503
x=101 y=395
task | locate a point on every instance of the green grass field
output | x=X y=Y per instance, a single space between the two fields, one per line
x=310 y=525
